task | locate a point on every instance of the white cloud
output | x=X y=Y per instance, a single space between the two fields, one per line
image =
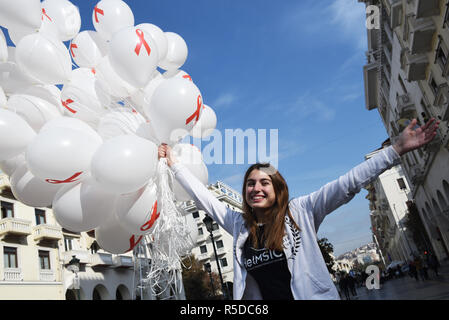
x=224 y=100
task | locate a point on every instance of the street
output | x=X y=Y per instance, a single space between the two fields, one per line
x=407 y=288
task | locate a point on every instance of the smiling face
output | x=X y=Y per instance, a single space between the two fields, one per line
x=259 y=191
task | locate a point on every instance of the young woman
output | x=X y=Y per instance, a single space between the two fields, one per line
x=276 y=254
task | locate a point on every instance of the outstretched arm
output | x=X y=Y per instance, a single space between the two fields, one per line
x=342 y=190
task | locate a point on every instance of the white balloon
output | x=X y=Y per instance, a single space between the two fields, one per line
x=114 y=238
x=30 y=190
x=191 y=157
x=83 y=206
x=176 y=73
x=25 y=13
x=12 y=78
x=79 y=96
x=125 y=163
x=133 y=55
x=207 y=123
x=64 y=15
x=119 y=122
x=48 y=92
x=141 y=95
x=174 y=108
x=176 y=52
x=111 y=83
x=110 y=16
x=2 y=98
x=15 y=134
x=146 y=131
x=71 y=123
x=62 y=155
x=34 y=110
x=87 y=49
x=159 y=37
x=138 y=212
x=45 y=59
x=8 y=166
x=3 y=48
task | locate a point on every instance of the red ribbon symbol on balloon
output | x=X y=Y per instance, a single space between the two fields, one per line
x=196 y=114
x=186 y=76
x=72 y=46
x=142 y=42
x=133 y=242
x=68 y=180
x=66 y=105
x=45 y=14
x=154 y=216
x=97 y=11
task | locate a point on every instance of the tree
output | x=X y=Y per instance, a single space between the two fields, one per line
x=415 y=225
x=196 y=280
x=326 y=250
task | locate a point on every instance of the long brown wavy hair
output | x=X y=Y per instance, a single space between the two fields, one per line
x=274 y=229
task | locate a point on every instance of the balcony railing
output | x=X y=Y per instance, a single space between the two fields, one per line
x=47 y=232
x=395 y=8
x=12 y=274
x=415 y=66
x=421 y=35
x=101 y=259
x=84 y=256
x=405 y=106
x=120 y=261
x=47 y=275
x=14 y=226
x=203 y=256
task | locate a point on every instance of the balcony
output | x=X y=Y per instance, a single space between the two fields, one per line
x=12 y=274
x=421 y=35
x=47 y=232
x=371 y=85
x=101 y=259
x=120 y=261
x=415 y=66
x=14 y=226
x=442 y=95
x=405 y=106
x=395 y=12
x=220 y=252
x=84 y=256
x=203 y=256
x=426 y=8
x=47 y=275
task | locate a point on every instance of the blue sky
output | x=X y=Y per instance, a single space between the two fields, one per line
x=291 y=65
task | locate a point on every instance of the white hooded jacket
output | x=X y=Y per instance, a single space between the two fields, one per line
x=310 y=278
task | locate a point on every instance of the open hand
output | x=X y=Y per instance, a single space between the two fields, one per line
x=411 y=139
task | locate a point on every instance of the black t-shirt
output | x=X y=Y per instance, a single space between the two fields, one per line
x=269 y=269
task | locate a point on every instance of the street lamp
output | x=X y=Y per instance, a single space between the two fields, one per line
x=208 y=268
x=209 y=226
x=74 y=266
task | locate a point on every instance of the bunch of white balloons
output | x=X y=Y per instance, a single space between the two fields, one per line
x=81 y=136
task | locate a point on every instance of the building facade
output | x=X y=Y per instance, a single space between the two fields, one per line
x=204 y=250
x=35 y=255
x=406 y=77
x=388 y=195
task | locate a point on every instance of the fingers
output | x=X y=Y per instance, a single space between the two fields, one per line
x=427 y=125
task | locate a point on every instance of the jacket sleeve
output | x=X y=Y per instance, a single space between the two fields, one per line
x=204 y=199
x=342 y=190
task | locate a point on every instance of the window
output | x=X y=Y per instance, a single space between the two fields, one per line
x=433 y=85
x=200 y=231
x=215 y=226
x=10 y=257
x=196 y=214
x=219 y=244
x=441 y=54
x=401 y=183
x=7 y=210
x=40 y=216
x=68 y=243
x=44 y=259
x=203 y=249
x=224 y=262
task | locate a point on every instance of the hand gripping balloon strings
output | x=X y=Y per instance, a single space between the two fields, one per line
x=170 y=238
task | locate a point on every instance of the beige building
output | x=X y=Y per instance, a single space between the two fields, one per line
x=36 y=251
x=406 y=77
x=204 y=250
